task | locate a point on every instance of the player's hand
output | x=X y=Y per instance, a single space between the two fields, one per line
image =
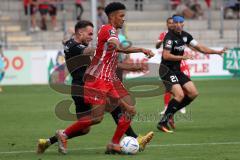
x=188 y=56
x=148 y=53
x=138 y=68
x=222 y=51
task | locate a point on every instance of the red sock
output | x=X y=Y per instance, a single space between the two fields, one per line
x=81 y=124
x=123 y=125
x=167 y=97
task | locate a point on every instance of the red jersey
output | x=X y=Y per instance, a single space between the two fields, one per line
x=162 y=36
x=105 y=60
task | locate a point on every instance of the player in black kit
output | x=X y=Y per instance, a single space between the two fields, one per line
x=181 y=86
x=77 y=56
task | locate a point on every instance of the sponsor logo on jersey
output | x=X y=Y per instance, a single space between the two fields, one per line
x=179 y=48
x=112 y=33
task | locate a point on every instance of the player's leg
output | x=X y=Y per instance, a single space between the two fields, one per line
x=118 y=92
x=43 y=144
x=116 y=113
x=83 y=123
x=94 y=94
x=184 y=69
x=189 y=88
x=171 y=83
x=129 y=107
x=142 y=140
x=191 y=93
x=167 y=97
x=172 y=108
x=81 y=108
x=122 y=125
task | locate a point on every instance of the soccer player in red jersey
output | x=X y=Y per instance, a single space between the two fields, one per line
x=101 y=82
x=77 y=56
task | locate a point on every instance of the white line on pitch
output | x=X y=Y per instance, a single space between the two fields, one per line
x=152 y=145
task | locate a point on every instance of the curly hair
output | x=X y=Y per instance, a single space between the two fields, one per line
x=114 y=6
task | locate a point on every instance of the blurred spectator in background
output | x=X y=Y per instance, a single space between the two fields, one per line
x=190 y=9
x=43 y=9
x=32 y=10
x=53 y=13
x=139 y=5
x=195 y=6
x=232 y=9
x=2 y=71
x=175 y=3
x=101 y=3
x=101 y=17
x=79 y=9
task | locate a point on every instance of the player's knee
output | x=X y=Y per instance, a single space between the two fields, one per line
x=97 y=120
x=179 y=97
x=132 y=111
x=194 y=94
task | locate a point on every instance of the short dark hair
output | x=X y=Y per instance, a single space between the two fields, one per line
x=169 y=18
x=114 y=6
x=82 y=24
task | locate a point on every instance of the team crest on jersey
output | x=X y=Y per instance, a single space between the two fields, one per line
x=169 y=44
x=112 y=32
x=185 y=39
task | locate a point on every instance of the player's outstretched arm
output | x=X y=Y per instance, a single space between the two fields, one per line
x=130 y=67
x=170 y=57
x=129 y=50
x=158 y=44
x=205 y=50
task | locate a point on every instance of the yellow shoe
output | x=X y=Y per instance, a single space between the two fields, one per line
x=144 y=140
x=42 y=145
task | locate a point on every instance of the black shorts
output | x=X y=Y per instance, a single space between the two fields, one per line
x=52 y=10
x=33 y=10
x=170 y=77
x=81 y=107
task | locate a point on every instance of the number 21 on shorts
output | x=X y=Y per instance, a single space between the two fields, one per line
x=174 y=79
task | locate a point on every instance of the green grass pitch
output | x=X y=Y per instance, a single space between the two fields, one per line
x=209 y=131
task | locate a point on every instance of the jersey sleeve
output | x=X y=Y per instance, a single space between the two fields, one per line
x=161 y=37
x=167 y=43
x=72 y=49
x=108 y=33
x=191 y=41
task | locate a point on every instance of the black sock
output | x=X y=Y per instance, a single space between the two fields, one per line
x=186 y=101
x=53 y=140
x=116 y=114
x=130 y=132
x=171 y=110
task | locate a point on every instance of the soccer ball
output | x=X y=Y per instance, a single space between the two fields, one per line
x=129 y=145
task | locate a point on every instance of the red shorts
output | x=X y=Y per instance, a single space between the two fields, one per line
x=96 y=91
